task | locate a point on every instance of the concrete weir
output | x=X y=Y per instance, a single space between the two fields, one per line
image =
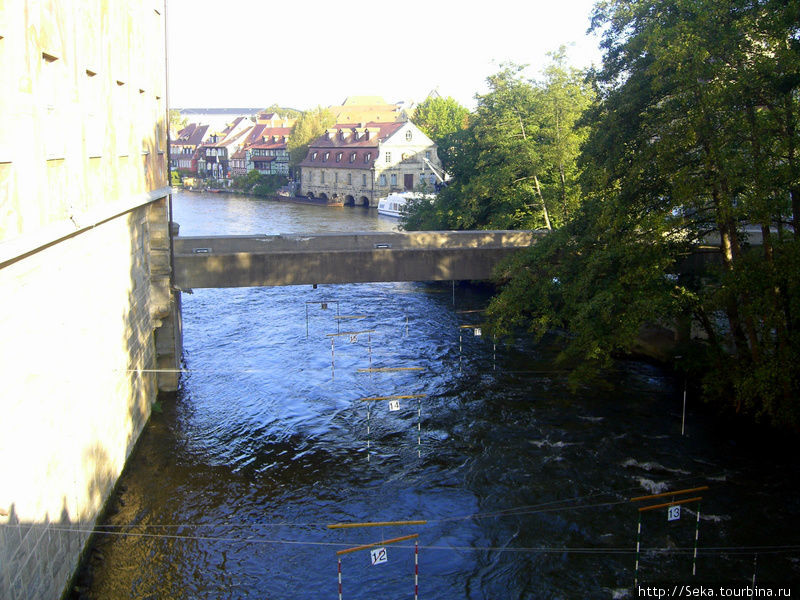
x=297 y=259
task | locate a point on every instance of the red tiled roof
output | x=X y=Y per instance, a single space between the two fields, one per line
x=192 y=134
x=348 y=161
x=376 y=131
x=363 y=146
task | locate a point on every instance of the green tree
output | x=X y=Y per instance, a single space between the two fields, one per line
x=514 y=166
x=309 y=126
x=694 y=139
x=269 y=184
x=247 y=182
x=437 y=117
x=176 y=121
x=290 y=113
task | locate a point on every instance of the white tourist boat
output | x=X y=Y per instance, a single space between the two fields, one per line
x=394 y=204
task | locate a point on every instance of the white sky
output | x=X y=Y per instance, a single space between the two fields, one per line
x=253 y=53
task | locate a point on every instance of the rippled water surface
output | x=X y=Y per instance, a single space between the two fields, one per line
x=524 y=484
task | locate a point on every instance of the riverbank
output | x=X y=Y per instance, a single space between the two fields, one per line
x=272 y=197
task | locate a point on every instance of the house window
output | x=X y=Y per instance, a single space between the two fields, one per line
x=336 y=177
x=408 y=135
x=368 y=157
x=349 y=179
x=313 y=156
x=394 y=179
x=325 y=157
x=322 y=177
x=382 y=180
x=428 y=154
x=364 y=179
x=353 y=157
x=432 y=178
x=388 y=157
x=339 y=157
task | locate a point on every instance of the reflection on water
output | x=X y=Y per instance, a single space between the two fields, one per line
x=524 y=484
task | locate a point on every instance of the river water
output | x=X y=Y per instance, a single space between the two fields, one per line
x=524 y=483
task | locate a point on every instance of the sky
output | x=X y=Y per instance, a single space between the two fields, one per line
x=301 y=54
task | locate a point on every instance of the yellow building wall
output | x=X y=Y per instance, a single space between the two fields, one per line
x=84 y=268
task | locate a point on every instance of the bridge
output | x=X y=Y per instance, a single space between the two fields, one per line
x=298 y=259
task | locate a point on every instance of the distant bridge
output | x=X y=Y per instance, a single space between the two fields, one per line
x=299 y=259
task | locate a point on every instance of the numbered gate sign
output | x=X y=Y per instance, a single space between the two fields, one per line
x=673 y=513
x=378 y=556
x=477 y=332
x=394 y=405
x=353 y=339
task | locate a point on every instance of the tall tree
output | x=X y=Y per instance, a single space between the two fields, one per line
x=437 y=117
x=309 y=126
x=693 y=141
x=176 y=122
x=514 y=166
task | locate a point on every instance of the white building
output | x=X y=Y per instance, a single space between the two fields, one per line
x=357 y=164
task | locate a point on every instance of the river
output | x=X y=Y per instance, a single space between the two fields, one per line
x=524 y=483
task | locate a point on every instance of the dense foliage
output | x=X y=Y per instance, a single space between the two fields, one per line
x=437 y=117
x=258 y=184
x=309 y=126
x=693 y=140
x=514 y=165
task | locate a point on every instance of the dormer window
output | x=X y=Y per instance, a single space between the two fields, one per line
x=313 y=156
x=353 y=157
x=326 y=156
x=339 y=157
x=368 y=157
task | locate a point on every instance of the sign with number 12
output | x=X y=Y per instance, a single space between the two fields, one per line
x=378 y=556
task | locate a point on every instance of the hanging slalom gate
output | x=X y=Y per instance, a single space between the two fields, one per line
x=323 y=304
x=673 y=514
x=378 y=553
x=353 y=336
x=477 y=331
x=394 y=404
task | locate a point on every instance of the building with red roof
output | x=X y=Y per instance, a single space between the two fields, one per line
x=357 y=164
x=183 y=149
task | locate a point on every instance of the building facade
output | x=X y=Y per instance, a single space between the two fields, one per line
x=89 y=319
x=359 y=164
x=183 y=150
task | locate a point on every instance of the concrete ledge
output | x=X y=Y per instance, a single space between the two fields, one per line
x=43 y=237
x=247 y=261
x=317 y=242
